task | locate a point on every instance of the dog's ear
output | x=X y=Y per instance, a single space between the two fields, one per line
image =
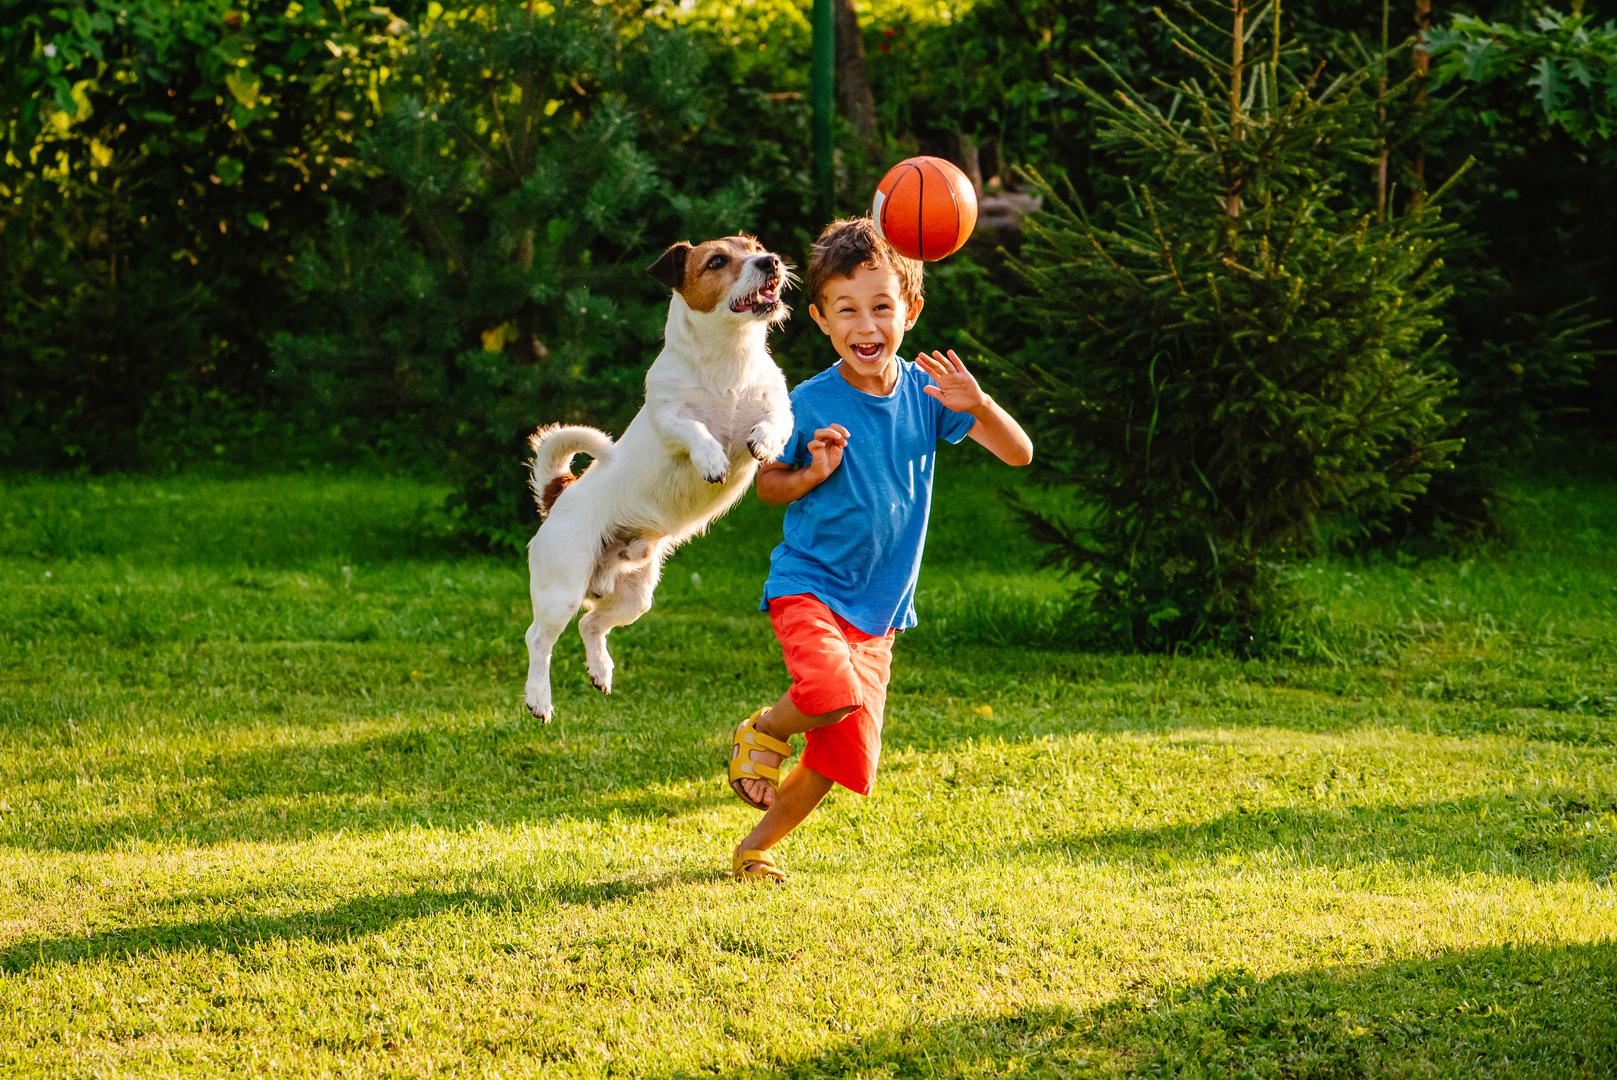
x=670 y=269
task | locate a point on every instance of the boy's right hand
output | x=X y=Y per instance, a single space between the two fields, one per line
x=826 y=448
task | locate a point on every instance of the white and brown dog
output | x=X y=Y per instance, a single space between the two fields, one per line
x=716 y=405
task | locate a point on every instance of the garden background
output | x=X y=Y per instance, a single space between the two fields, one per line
x=1264 y=726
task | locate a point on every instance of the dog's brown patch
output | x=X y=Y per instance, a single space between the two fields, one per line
x=711 y=269
x=553 y=491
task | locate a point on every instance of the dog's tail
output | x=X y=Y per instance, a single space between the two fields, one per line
x=553 y=450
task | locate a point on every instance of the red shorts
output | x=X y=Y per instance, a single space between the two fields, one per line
x=834 y=664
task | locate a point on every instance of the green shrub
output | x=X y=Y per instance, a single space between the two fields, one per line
x=985 y=76
x=1535 y=99
x=1562 y=68
x=531 y=166
x=1239 y=359
x=161 y=160
x=1522 y=379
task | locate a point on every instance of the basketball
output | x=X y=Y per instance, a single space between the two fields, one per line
x=925 y=207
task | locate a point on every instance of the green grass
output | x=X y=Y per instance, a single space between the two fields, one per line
x=269 y=806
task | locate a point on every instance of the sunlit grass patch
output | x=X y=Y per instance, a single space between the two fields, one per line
x=281 y=812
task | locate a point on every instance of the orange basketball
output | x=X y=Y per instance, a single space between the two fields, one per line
x=925 y=207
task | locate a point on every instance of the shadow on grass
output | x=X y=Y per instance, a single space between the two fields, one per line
x=351 y=919
x=1550 y=836
x=417 y=775
x=1498 y=1011
x=606 y=762
x=1037 y=693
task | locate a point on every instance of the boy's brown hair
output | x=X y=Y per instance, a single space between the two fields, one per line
x=844 y=246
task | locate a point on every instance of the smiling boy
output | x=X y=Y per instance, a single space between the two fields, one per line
x=857 y=475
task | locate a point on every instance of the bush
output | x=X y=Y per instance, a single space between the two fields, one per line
x=161 y=160
x=1238 y=358
x=1536 y=100
x=984 y=78
x=531 y=166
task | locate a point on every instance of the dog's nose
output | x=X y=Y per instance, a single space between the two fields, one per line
x=770 y=264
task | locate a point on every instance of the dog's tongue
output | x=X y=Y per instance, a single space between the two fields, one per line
x=747 y=303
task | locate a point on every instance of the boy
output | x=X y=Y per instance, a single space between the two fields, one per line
x=857 y=474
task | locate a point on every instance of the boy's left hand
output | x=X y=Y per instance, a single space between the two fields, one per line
x=956 y=388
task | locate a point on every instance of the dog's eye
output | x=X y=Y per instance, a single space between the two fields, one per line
x=716 y=261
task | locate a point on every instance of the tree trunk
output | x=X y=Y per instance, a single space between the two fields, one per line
x=1232 y=192
x=969 y=157
x=853 y=81
x=1381 y=118
x=525 y=348
x=1423 y=64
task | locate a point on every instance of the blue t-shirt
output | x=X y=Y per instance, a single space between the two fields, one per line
x=855 y=541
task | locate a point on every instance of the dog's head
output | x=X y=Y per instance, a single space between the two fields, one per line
x=731 y=278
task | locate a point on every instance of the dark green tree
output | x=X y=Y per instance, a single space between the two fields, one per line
x=1238 y=356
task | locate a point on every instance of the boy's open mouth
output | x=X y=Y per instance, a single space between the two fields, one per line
x=866 y=352
x=761 y=300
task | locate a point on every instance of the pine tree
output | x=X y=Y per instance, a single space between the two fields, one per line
x=1241 y=351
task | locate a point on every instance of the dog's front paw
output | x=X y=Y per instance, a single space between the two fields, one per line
x=712 y=462
x=766 y=443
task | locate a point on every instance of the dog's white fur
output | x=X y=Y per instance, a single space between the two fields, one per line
x=716 y=405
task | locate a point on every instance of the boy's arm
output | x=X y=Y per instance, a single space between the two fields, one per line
x=779 y=483
x=1001 y=434
x=995 y=428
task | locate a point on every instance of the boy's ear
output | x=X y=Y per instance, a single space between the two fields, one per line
x=912 y=314
x=670 y=268
x=819 y=319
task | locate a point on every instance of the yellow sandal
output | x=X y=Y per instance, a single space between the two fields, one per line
x=743 y=742
x=755 y=864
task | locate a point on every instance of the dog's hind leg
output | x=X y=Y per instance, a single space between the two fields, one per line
x=558 y=574
x=629 y=599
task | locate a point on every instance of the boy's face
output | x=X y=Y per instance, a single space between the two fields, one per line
x=865 y=317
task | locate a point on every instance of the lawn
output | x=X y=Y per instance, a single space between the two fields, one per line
x=270 y=805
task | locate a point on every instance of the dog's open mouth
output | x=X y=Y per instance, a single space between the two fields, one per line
x=760 y=301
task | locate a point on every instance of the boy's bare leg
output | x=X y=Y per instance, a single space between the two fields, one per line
x=784 y=720
x=801 y=791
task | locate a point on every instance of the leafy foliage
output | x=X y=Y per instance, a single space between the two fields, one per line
x=1239 y=357
x=161 y=159
x=987 y=76
x=1531 y=270
x=533 y=164
x=1534 y=100
x=225 y=234
x=1563 y=67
